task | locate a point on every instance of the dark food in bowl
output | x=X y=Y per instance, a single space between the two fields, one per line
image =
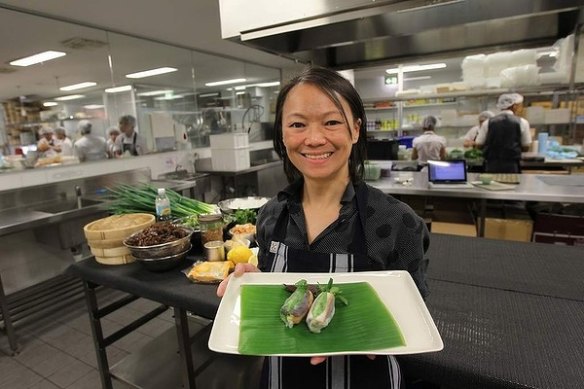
x=176 y=239
x=156 y=234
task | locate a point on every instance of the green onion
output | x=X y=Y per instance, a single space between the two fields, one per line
x=141 y=199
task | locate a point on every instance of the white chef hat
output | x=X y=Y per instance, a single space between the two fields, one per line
x=485 y=115
x=45 y=130
x=84 y=126
x=508 y=99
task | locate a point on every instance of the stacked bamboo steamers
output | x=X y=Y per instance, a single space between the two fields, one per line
x=105 y=236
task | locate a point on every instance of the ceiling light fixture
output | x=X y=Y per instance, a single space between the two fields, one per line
x=226 y=82
x=151 y=72
x=240 y=93
x=213 y=94
x=417 y=68
x=418 y=78
x=156 y=92
x=78 y=86
x=37 y=58
x=93 y=106
x=268 y=84
x=50 y=103
x=117 y=89
x=69 y=97
x=171 y=97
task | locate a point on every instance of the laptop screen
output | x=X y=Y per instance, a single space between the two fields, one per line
x=447 y=171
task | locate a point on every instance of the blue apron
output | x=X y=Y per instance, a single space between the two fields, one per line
x=342 y=372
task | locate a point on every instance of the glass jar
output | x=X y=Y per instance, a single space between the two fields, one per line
x=211 y=227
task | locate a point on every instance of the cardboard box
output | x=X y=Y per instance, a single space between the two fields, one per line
x=509 y=229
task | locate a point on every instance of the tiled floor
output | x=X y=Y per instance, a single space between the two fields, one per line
x=58 y=351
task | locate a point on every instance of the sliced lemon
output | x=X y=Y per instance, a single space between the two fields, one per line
x=253 y=260
x=239 y=254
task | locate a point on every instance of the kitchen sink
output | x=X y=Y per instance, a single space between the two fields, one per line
x=66 y=206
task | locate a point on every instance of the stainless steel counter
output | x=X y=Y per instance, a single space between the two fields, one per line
x=531 y=188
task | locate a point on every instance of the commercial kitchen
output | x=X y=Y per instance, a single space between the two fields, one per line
x=201 y=79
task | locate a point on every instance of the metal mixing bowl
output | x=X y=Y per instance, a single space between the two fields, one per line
x=162 y=250
x=164 y=263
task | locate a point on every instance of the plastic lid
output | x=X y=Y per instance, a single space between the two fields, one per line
x=161 y=191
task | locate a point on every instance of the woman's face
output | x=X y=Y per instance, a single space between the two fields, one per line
x=317 y=139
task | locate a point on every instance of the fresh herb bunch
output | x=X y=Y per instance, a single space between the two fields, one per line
x=243 y=216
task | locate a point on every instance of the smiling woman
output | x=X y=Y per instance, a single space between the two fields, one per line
x=328 y=220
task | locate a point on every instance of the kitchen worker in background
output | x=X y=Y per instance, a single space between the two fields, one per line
x=504 y=136
x=112 y=134
x=129 y=141
x=62 y=144
x=329 y=220
x=471 y=135
x=89 y=147
x=46 y=143
x=429 y=146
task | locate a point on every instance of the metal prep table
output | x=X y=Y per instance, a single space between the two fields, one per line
x=509 y=313
x=532 y=187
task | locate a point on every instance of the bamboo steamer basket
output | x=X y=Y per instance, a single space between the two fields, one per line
x=117 y=227
x=105 y=236
x=118 y=260
x=106 y=243
x=110 y=252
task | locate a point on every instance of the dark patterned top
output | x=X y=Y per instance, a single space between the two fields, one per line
x=397 y=238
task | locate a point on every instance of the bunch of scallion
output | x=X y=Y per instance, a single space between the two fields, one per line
x=141 y=199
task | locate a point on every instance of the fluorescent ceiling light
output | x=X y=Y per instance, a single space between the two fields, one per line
x=417 y=68
x=156 y=92
x=171 y=97
x=151 y=72
x=214 y=94
x=78 y=86
x=240 y=87
x=418 y=78
x=239 y=93
x=226 y=82
x=268 y=84
x=69 y=97
x=93 y=106
x=37 y=58
x=50 y=103
x=117 y=89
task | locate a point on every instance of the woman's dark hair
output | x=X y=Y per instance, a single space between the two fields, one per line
x=334 y=86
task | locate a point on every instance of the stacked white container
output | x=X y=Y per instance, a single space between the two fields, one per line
x=230 y=151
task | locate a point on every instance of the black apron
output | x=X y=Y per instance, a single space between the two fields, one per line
x=343 y=372
x=131 y=147
x=502 y=149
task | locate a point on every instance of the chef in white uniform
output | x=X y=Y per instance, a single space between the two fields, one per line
x=89 y=147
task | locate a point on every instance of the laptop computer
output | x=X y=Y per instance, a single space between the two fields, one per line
x=448 y=175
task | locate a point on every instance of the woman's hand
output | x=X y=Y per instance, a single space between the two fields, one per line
x=317 y=360
x=240 y=268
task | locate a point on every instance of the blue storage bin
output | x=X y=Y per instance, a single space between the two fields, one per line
x=406 y=141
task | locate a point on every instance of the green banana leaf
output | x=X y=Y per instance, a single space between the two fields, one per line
x=363 y=325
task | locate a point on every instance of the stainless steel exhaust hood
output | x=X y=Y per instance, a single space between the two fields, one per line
x=355 y=33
